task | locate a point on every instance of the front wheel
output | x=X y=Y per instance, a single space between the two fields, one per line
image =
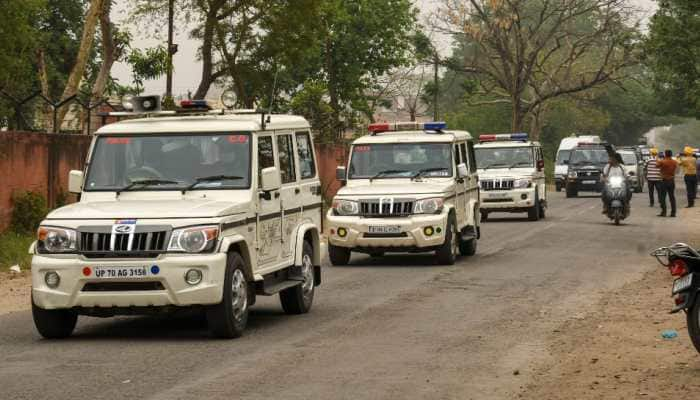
x=533 y=213
x=447 y=253
x=484 y=216
x=229 y=318
x=571 y=192
x=338 y=255
x=298 y=299
x=693 y=321
x=54 y=324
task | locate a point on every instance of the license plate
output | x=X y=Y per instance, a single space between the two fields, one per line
x=498 y=195
x=589 y=182
x=385 y=229
x=682 y=284
x=120 y=272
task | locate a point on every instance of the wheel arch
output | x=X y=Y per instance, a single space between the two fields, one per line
x=239 y=245
x=311 y=233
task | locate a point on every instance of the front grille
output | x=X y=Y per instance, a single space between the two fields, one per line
x=587 y=174
x=386 y=208
x=100 y=242
x=497 y=184
x=121 y=286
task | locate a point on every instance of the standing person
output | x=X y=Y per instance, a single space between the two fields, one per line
x=668 y=167
x=688 y=163
x=653 y=174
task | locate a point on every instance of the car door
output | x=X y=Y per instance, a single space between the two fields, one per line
x=472 y=182
x=539 y=174
x=460 y=186
x=308 y=179
x=290 y=193
x=268 y=217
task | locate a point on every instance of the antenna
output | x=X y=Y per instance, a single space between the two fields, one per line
x=263 y=120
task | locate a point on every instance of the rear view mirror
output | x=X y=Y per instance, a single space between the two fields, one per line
x=341 y=174
x=75 y=182
x=270 y=179
x=540 y=165
x=462 y=170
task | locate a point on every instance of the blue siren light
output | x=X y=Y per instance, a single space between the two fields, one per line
x=435 y=126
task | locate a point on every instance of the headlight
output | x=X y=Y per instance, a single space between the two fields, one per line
x=429 y=206
x=572 y=174
x=56 y=240
x=346 y=207
x=616 y=181
x=522 y=183
x=194 y=240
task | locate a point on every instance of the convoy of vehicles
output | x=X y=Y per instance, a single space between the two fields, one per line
x=511 y=175
x=562 y=159
x=201 y=211
x=409 y=187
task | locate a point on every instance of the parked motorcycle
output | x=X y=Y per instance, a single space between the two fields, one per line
x=617 y=195
x=683 y=263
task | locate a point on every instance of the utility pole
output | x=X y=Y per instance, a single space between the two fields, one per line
x=172 y=49
x=437 y=88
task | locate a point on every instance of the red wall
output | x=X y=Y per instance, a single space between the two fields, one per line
x=37 y=162
x=40 y=162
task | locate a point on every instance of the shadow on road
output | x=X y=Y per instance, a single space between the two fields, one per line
x=393 y=260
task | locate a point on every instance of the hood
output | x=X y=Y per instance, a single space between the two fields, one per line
x=506 y=172
x=591 y=167
x=154 y=209
x=399 y=188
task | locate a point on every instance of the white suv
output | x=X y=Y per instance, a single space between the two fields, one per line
x=410 y=187
x=201 y=211
x=511 y=171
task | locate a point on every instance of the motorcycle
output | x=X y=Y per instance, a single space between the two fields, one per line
x=617 y=195
x=683 y=263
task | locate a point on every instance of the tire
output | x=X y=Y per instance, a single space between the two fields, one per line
x=533 y=213
x=558 y=186
x=338 y=255
x=467 y=248
x=54 y=324
x=693 y=321
x=542 y=210
x=447 y=253
x=298 y=299
x=570 y=192
x=229 y=318
x=484 y=216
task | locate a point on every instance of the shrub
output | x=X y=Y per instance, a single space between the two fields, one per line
x=29 y=209
x=14 y=249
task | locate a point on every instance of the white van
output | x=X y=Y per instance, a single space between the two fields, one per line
x=567 y=144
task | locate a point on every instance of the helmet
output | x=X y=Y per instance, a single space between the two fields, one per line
x=654 y=151
x=688 y=151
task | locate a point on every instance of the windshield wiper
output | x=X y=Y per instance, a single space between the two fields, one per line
x=388 y=171
x=426 y=170
x=213 y=178
x=145 y=182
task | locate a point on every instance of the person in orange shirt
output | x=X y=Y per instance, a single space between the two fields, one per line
x=668 y=167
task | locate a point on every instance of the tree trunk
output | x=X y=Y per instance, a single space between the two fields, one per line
x=108 y=58
x=207 y=55
x=516 y=122
x=337 y=129
x=44 y=81
x=76 y=75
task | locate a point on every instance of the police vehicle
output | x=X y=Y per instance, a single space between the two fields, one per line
x=197 y=208
x=586 y=163
x=409 y=187
x=511 y=175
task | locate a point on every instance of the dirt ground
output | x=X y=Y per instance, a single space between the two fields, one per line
x=15 y=290
x=616 y=351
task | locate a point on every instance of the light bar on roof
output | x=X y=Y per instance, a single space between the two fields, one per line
x=406 y=126
x=520 y=136
x=199 y=104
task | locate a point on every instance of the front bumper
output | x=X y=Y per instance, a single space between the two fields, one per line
x=175 y=292
x=507 y=200
x=411 y=234
x=585 y=184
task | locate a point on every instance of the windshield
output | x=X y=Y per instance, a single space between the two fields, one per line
x=588 y=156
x=504 y=157
x=629 y=158
x=562 y=156
x=170 y=162
x=394 y=160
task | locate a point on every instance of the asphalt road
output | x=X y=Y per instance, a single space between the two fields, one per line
x=396 y=328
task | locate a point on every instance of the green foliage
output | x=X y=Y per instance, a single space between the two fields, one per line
x=147 y=64
x=311 y=103
x=14 y=250
x=672 y=49
x=29 y=209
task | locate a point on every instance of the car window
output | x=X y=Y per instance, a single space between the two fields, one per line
x=285 y=152
x=458 y=158
x=472 y=157
x=266 y=157
x=463 y=153
x=307 y=167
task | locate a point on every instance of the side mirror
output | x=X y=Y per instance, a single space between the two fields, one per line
x=540 y=165
x=75 y=182
x=270 y=179
x=341 y=174
x=462 y=170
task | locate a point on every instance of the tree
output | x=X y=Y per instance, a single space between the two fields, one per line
x=672 y=49
x=526 y=53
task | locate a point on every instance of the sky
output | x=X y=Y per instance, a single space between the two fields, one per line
x=187 y=69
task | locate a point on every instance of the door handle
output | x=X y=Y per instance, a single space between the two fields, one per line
x=297 y=190
x=277 y=195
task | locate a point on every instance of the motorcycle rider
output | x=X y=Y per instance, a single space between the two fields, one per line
x=613 y=168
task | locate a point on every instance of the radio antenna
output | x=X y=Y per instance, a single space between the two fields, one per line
x=265 y=120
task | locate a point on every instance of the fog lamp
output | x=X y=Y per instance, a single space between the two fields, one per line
x=428 y=231
x=52 y=279
x=193 y=277
x=342 y=232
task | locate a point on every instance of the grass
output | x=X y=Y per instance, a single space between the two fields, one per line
x=14 y=250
